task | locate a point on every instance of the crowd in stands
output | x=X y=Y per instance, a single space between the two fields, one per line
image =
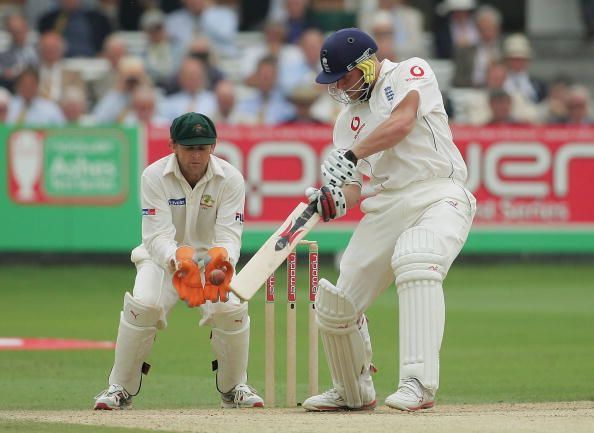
x=193 y=58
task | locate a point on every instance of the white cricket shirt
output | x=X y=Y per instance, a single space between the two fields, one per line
x=427 y=152
x=174 y=214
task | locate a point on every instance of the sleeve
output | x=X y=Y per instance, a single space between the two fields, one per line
x=415 y=74
x=158 y=231
x=229 y=223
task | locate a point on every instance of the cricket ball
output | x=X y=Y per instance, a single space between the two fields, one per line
x=217 y=277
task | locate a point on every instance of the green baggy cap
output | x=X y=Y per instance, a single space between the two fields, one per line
x=193 y=129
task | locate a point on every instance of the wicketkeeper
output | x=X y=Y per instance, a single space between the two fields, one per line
x=192 y=221
x=393 y=129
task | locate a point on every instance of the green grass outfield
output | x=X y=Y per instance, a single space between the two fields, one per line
x=514 y=332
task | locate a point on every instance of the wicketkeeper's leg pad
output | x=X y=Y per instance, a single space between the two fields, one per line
x=136 y=334
x=346 y=343
x=230 y=343
x=420 y=267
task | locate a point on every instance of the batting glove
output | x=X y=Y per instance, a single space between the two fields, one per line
x=339 y=167
x=331 y=201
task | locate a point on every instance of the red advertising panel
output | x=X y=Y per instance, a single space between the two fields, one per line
x=521 y=176
x=530 y=176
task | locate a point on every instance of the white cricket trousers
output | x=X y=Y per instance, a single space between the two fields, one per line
x=441 y=205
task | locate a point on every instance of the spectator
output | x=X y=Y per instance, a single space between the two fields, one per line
x=554 y=107
x=382 y=30
x=225 y=92
x=303 y=67
x=114 y=49
x=455 y=27
x=115 y=104
x=472 y=62
x=193 y=95
x=266 y=103
x=578 y=106
x=73 y=103
x=5 y=97
x=407 y=24
x=144 y=108
x=303 y=97
x=476 y=109
x=274 y=45
x=517 y=52
x=84 y=30
x=54 y=76
x=218 y=22
x=500 y=104
x=161 y=56
x=20 y=53
x=27 y=107
x=200 y=50
x=298 y=19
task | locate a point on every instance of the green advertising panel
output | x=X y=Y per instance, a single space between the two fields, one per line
x=78 y=164
x=69 y=189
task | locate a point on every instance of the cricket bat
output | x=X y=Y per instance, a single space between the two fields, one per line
x=275 y=250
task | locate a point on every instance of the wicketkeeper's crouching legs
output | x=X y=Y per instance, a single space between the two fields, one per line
x=347 y=346
x=230 y=340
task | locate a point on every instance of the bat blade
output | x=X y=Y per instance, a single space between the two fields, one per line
x=274 y=251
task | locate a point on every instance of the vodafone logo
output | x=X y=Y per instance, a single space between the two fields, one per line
x=417 y=71
x=355 y=123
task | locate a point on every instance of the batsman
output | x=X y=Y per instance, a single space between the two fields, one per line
x=192 y=222
x=393 y=129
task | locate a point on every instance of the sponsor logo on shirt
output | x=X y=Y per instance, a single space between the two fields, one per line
x=147 y=211
x=357 y=126
x=177 y=201
x=417 y=73
x=389 y=93
x=239 y=217
x=206 y=201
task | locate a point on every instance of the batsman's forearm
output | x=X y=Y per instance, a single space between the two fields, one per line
x=352 y=195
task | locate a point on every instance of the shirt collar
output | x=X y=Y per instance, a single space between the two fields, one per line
x=214 y=168
x=386 y=66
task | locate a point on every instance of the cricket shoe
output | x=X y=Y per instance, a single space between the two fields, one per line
x=411 y=396
x=331 y=401
x=113 y=398
x=241 y=396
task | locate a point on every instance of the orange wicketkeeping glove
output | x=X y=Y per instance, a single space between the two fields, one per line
x=217 y=258
x=186 y=278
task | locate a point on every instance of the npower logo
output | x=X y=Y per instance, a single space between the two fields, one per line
x=523 y=170
x=504 y=169
x=274 y=169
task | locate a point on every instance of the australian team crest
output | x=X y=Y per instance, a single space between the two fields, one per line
x=206 y=201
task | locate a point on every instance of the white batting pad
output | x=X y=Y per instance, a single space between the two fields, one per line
x=346 y=344
x=136 y=334
x=419 y=268
x=231 y=349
